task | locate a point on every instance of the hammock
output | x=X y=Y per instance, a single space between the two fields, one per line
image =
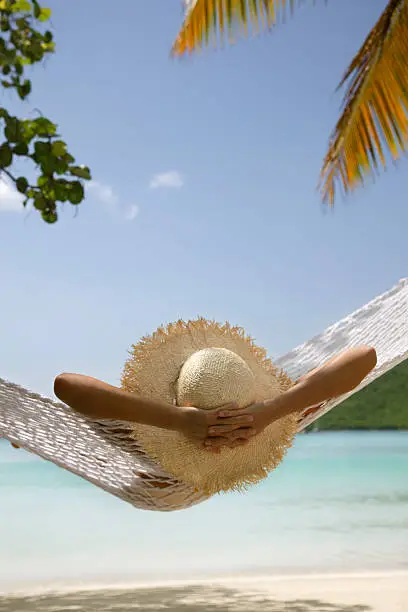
x=103 y=453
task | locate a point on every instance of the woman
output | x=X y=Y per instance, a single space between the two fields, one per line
x=227 y=425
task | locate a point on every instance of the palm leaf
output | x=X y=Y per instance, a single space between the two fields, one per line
x=374 y=115
x=209 y=21
x=375 y=107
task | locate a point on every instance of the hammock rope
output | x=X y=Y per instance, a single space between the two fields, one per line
x=103 y=452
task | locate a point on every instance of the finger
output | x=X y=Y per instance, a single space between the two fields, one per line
x=242 y=433
x=241 y=419
x=214 y=412
x=229 y=417
x=223 y=430
x=219 y=441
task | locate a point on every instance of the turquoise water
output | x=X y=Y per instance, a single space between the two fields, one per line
x=339 y=502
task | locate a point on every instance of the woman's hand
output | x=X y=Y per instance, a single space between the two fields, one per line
x=225 y=425
x=260 y=415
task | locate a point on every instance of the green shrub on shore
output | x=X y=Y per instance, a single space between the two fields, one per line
x=381 y=405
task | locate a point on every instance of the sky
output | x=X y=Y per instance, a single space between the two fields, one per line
x=203 y=200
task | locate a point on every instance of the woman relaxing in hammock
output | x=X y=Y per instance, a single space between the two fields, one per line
x=225 y=426
x=211 y=383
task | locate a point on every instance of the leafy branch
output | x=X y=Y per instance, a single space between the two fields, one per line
x=59 y=177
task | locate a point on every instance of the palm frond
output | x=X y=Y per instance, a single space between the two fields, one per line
x=213 y=21
x=374 y=117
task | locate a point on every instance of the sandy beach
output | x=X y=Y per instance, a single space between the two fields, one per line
x=314 y=593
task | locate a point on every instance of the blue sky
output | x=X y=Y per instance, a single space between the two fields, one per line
x=205 y=196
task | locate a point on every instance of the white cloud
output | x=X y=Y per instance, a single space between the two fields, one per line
x=167 y=179
x=106 y=195
x=132 y=212
x=10 y=199
x=103 y=193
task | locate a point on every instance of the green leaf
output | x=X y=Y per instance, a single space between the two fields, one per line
x=21 y=149
x=60 y=165
x=49 y=216
x=76 y=193
x=35 y=51
x=59 y=148
x=42 y=149
x=82 y=172
x=44 y=127
x=43 y=156
x=12 y=131
x=6 y=155
x=25 y=61
x=69 y=159
x=61 y=187
x=42 y=180
x=45 y=14
x=10 y=53
x=22 y=184
x=40 y=203
x=25 y=89
x=20 y=6
x=28 y=131
x=4 y=24
x=6 y=69
x=48 y=192
x=48 y=47
x=22 y=23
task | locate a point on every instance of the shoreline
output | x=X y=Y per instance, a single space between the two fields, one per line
x=341 y=592
x=243 y=579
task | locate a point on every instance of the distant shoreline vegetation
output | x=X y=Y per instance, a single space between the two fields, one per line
x=382 y=406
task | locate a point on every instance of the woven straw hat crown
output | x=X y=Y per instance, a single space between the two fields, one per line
x=204 y=364
x=213 y=377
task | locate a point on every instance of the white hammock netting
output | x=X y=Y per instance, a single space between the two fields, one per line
x=103 y=452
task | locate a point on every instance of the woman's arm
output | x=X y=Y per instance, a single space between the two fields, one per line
x=338 y=376
x=98 y=400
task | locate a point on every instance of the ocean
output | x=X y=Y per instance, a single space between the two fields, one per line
x=338 y=503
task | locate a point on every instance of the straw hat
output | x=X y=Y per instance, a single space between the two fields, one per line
x=206 y=365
